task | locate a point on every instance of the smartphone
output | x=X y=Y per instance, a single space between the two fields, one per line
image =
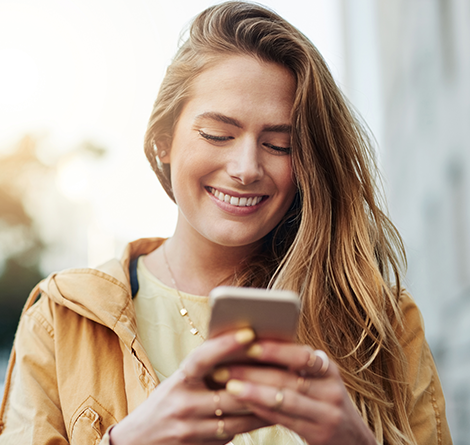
x=273 y=314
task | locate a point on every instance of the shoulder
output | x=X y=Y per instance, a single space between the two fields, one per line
x=411 y=335
x=425 y=400
x=100 y=294
x=410 y=331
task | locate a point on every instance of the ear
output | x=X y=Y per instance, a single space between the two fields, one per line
x=163 y=151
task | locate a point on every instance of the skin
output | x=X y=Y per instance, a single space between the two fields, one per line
x=317 y=407
x=234 y=135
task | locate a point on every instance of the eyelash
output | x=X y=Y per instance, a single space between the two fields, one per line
x=211 y=137
x=286 y=150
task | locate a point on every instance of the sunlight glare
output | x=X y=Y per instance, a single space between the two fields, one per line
x=19 y=79
x=73 y=178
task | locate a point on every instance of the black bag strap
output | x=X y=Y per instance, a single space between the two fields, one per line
x=133 y=277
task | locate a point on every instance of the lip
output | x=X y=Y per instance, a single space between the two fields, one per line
x=233 y=209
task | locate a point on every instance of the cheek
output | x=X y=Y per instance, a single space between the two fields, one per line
x=285 y=177
x=188 y=171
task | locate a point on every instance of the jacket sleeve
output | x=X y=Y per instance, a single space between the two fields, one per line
x=426 y=405
x=31 y=407
x=32 y=403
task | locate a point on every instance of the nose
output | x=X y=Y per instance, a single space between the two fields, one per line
x=245 y=164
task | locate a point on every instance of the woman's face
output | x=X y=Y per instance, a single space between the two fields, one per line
x=230 y=160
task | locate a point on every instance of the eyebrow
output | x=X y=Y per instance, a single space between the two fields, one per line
x=219 y=117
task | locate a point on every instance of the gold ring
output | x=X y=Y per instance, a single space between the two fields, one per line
x=220 y=433
x=218 y=411
x=303 y=385
x=278 y=400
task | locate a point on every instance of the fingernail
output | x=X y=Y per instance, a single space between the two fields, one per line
x=254 y=351
x=244 y=336
x=221 y=375
x=235 y=387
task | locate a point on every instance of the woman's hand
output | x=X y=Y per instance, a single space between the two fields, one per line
x=183 y=410
x=309 y=397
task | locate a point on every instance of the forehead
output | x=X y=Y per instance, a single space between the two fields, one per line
x=239 y=84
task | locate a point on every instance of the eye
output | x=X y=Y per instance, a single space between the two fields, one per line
x=211 y=137
x=277 y=149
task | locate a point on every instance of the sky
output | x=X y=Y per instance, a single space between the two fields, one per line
x=89 y=70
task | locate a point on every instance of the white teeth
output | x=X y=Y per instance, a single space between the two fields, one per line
x=233 y=200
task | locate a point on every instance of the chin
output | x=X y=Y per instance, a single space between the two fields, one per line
x=236 y=241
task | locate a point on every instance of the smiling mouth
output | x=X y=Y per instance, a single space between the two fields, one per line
x=235 y=200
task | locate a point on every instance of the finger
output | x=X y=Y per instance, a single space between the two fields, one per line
x=283 y=402
x=204 y=358
x=205 y=404
x=278 y=378
x=219 y=430
x=271 y=376
x=220 y=404
x=301 y=426
x=300 y=358
x=335 y=424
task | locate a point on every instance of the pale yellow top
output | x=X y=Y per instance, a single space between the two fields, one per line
x=166 y=338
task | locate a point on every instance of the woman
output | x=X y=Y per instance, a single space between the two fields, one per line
x=274 y=183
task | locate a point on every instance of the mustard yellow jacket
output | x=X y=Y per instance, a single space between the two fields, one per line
x=78 y=366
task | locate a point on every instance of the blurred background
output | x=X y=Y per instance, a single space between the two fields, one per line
x=77 y=83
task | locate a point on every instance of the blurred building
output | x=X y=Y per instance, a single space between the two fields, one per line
x=408 y=69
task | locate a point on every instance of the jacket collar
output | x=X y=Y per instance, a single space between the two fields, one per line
x=102 y=295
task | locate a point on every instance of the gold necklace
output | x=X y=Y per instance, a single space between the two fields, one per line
x=183 y=311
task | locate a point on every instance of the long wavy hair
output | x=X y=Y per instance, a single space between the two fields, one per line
x=335 y=246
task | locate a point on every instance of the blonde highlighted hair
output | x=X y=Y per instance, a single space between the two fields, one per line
x=335 y=245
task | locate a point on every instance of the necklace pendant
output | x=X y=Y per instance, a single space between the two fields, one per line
x=183 y=310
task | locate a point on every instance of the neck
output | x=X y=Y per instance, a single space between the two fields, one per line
x=197 y=264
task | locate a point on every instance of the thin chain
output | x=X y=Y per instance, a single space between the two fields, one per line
x=183 y=311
